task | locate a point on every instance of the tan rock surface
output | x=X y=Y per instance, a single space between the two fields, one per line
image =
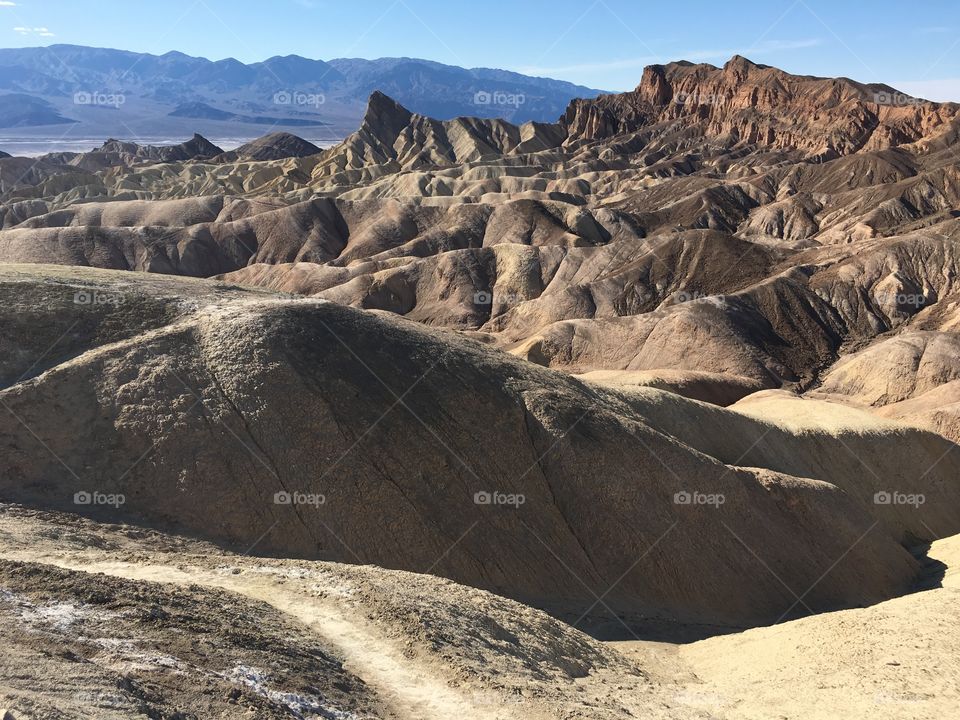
x=202 y=416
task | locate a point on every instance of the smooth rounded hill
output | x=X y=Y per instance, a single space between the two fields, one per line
x=275 y=146
x=243 y=415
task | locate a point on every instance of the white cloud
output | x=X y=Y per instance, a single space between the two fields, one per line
x=38 y=31
x=692 y=55
x=764 y=48
x=7 y=3
x=589 y=67
x=944 y=90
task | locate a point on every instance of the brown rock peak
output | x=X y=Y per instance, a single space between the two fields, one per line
x=383 y=110
x=738 y=63
x=654 y=86
x=752 y=104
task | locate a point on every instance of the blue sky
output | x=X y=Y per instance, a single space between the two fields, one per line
x=601 y=43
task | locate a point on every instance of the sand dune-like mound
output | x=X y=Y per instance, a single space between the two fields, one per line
x=265 y=394
x=913 y=494
x=714 y=388
x=911 y=377
x=905 y=366
x=937 y=409
x=898 y=659
x=275 y=146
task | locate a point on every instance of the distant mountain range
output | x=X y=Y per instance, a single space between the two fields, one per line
x=82 y=91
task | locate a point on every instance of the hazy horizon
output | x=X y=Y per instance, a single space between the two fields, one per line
x=602 y=45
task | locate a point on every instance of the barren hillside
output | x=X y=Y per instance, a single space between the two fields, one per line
x=651 y=411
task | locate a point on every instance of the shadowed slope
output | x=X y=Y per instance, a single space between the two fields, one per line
x=248 y=395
